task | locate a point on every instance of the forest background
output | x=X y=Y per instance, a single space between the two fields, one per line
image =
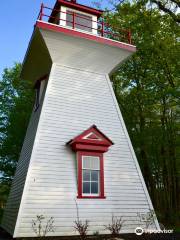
x=147 y=88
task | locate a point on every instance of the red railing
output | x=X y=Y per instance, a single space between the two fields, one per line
x=102 y=28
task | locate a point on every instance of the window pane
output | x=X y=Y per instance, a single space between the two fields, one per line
x=86 y=187
x=95 y=163
x=95 y=176
x=94 y=187
x=82 y=21
x=91 y=162
x=86 y=175
x=86 y=162
x=69 y=18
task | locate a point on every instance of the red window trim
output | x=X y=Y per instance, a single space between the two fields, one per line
x=90 y=147
x=79 y=158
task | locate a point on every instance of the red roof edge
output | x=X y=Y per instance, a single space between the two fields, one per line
x=94 y=126
x=86 y=131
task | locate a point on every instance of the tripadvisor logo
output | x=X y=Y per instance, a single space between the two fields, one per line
x=138 y=231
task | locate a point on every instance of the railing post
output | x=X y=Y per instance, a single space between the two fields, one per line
x=73 y=20
x=41 y=12
x=102 y=30
x=129 y=37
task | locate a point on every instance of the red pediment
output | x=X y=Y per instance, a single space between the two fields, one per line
x=91 y=139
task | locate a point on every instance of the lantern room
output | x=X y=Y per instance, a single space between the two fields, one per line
x=77 y=16
x=72 y=15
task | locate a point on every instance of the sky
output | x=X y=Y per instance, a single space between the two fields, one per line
x=17 y=19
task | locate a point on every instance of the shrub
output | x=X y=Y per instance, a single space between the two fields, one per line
x=115 y=226
x=41 y=229
x=82 y=228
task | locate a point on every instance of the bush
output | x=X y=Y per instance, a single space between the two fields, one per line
x=115 y=226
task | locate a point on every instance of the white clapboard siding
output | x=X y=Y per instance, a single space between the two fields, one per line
x=14 y=199
x=74 y=100
x=82 y=53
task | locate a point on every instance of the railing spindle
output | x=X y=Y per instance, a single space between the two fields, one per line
x=41 y=12
x=129 y=37
x=102 y=30
x=73 y=20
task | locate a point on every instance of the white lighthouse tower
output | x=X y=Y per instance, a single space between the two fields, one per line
x=77 y=151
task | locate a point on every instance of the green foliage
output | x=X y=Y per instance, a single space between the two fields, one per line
x=170 y=7
x=4 y=190
x=16 y=100
x=147 y=89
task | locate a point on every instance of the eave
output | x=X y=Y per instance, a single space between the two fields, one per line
x=88 y=36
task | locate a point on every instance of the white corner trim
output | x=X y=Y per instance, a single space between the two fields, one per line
x=131 y=148
x=27 y=180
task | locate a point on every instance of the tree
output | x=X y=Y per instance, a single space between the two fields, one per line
x=16 y=99
x=147 y=89
x=170 y=7
x=4 y=191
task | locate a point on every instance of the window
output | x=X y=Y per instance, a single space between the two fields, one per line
x=90 y=175
x=81 y=21
x=39 y=87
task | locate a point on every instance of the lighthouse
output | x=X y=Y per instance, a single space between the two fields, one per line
x=77 y=155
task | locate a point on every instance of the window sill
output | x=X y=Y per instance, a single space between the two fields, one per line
x=92 y=197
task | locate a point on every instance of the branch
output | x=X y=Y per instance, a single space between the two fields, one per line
x=162 y=7
x=176 y=2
